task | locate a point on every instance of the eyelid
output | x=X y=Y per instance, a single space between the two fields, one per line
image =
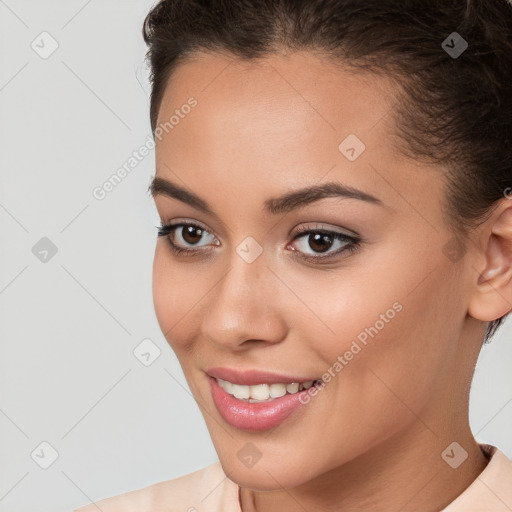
x=350 y=243
x=327 y=228
x=303 y=229
x=181 y=222
x=172 y=227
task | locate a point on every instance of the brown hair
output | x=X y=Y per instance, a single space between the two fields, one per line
x=455 y=110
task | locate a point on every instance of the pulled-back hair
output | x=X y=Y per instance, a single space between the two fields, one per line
x=453 y=110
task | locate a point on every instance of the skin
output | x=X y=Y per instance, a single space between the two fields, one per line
x=380 y=425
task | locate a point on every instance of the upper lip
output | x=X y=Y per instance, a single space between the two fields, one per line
x=251 y=377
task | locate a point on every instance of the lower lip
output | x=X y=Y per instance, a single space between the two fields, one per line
x=255 y=416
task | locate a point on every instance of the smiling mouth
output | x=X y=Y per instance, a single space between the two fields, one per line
x=258 y=393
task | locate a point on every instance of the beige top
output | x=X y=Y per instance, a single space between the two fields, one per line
x=210 y=490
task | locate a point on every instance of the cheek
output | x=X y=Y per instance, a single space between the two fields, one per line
x=173 y=296
x=161 y=290
x=345 y=315
x=392 y=338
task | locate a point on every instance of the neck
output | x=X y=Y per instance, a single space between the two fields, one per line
x=406 y=473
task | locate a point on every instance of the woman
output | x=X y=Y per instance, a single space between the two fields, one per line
x=333 y=181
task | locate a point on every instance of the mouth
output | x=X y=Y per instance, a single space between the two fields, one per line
x=261 y=393
x=258 y=400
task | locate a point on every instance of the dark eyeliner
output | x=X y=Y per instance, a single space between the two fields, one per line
x=167 y=229
x=353 y=243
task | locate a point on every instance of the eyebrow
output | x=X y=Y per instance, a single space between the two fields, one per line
x=283 y=204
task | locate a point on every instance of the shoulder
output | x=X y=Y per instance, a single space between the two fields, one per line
x=492 y=489
x=204 y=490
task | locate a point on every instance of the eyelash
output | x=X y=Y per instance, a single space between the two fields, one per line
x=353 y=243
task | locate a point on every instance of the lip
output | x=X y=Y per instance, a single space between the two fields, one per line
x=251 y=377
x=255 y=416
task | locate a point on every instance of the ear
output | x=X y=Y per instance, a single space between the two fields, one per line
x=492 y=293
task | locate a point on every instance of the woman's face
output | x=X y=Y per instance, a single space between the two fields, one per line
x=379 y=317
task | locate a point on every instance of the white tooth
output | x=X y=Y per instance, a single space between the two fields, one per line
x=293 y=387
x=277 y=390
x=241 y=391
x=228 y=387
x=260 y=391
x=308 y=384
x=224 y=384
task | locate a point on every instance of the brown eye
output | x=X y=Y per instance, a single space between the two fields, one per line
x=320 y=242
x=186 y=239
x=192 y=234
x=313 y=242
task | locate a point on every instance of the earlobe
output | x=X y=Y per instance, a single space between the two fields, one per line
x=492 y=295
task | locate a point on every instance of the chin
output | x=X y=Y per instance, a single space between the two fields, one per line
x=265 y=478
x=271 y=472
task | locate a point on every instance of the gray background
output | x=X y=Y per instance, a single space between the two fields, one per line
x=69 y=325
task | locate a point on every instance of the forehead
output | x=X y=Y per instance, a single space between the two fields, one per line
x=302 y=85
x=262 y=127
x=278 y=107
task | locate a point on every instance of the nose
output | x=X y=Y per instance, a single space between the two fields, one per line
x=245 y=307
